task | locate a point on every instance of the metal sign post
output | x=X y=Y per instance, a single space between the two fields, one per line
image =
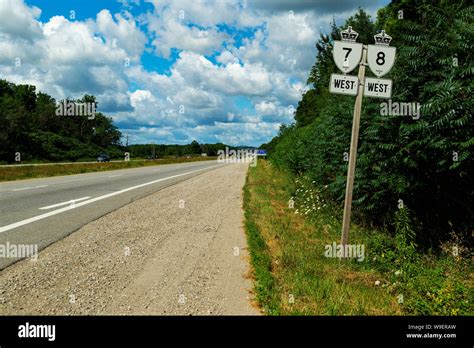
x=380 y=58
x=353 y=152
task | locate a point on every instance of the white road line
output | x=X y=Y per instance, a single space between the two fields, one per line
x=63 y=203
x=28 y=188
x=113 y=176
x=61 y=210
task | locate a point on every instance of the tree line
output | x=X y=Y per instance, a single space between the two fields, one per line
x=35 y=127
x=32 y=128
x=162 y=150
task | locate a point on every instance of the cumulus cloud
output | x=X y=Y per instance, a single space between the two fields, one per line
x=285 y=44
x=68 y=58
x=17 y=20
x=226 y=57
x=265 y=108
x=171 y=33
x=120 y=32
x=232 y=79
x=235 y=69
x=207 y=13
x=319 y=6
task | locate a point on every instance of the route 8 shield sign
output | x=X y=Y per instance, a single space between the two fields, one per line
x=380 y=59
x=347 y=55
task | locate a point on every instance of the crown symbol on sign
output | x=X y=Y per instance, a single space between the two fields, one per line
x=382 y=38
x=349 y=34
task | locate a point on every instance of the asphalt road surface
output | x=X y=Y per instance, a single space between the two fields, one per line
x=42 y=211
x=181 y=250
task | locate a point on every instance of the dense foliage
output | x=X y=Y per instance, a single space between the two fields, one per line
x=421 y=163
x=31 y=128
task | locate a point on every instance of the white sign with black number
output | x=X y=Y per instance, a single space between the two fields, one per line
x=344 y=84
x=347 y=55
x=380 y=59
x=378 y=88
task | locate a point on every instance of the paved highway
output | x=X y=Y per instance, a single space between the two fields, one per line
x=41 y=211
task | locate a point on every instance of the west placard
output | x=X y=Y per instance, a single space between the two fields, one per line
x=344 y=84
x=378 y=88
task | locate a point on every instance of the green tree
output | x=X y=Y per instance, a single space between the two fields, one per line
x=425 y=162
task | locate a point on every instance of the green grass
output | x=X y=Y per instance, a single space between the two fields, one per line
x=42 y=171
x=293 y=277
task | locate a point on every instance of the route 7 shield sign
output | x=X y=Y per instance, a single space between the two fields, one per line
x=380 y=59
x=347 y=55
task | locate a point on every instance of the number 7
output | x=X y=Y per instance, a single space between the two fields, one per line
x=348 y=49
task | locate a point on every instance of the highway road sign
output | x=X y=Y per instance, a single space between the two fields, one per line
x=380 y=59
x=378 y=88
x=381 y=56
x=344 y=84
x=347 y=55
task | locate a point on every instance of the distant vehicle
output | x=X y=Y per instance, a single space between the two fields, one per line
x=103 y=157
x=151 y=158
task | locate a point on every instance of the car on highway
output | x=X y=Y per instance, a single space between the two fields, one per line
x=103 y=157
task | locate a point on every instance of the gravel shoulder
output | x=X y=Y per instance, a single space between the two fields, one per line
x=180 y=251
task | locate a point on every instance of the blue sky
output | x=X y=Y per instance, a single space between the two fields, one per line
x=173 y=71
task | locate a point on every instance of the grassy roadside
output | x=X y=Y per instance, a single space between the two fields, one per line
x=292 y=276
x=29 y=172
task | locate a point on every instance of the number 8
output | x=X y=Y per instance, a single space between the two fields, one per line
x=380 y=57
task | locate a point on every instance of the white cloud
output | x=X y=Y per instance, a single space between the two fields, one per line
x=207 y=13
x=220 y=86
x=226 y=57
x=18 y=20
x=232 y=79
x=171 y=32
x=286 y=44
x=121 y=32
x=266 y=108
x=69 y=58
x=319 y=6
